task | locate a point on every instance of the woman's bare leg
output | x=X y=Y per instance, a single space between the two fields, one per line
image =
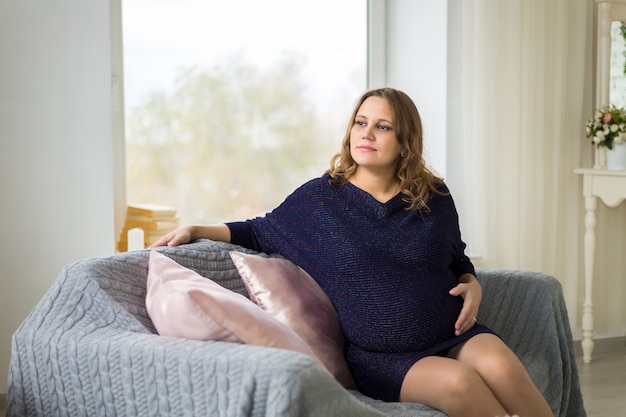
x=504 y=374
x=450 y=386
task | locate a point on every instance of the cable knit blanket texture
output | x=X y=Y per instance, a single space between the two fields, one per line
x=89 y=349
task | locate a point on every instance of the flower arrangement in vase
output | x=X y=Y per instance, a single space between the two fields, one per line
x=607 y=130
x=608 y=127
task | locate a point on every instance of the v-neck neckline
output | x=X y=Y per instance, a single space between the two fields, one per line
x=381 y=209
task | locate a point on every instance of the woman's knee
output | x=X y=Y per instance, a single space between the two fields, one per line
x=432 y=377
x=463 y=383
x=467 y=394
x=451 y=386
x=491 y=359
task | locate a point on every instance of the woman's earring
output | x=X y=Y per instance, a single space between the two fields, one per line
x=402 y=154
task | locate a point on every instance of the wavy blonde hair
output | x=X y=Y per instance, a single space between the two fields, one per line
x=417 y=181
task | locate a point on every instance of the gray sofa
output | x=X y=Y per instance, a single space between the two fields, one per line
x=89 y=349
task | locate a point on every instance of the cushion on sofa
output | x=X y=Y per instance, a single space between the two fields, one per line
x=292 y=296
x=181 y=303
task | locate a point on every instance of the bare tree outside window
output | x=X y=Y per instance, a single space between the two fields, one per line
x=229 y=137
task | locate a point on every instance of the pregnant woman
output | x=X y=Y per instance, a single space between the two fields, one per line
x=379 y=233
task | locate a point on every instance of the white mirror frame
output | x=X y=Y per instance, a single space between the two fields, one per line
x=608 y=12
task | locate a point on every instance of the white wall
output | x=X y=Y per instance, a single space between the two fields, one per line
x=420 y=68
x=56 y=163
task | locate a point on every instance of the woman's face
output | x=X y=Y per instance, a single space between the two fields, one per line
x=373 y=140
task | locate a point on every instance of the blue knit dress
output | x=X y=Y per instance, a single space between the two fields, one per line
x=387 y=271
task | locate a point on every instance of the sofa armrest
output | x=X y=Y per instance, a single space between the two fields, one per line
x=110 y=372
x=527 y=310
x=511 y=299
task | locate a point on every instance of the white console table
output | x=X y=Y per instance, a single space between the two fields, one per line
x=610 y=186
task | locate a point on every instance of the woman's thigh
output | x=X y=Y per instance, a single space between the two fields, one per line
x=504 y=374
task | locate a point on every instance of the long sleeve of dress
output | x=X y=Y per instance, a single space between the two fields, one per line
x=241 y=234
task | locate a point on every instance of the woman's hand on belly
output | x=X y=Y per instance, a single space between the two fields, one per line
x=470 y=290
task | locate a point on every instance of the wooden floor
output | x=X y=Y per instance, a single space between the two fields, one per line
x=603 y=381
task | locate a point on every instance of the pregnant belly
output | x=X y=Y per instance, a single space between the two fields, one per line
x=400 y=319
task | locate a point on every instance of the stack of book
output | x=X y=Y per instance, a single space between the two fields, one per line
x=155 y=221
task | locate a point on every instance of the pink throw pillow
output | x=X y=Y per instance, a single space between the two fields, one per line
x=292 y=296
x=182 y=303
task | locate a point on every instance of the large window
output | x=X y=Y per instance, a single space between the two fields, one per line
x=230 y=105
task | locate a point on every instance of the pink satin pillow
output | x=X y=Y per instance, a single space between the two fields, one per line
x=292 y=296
x=182 y=303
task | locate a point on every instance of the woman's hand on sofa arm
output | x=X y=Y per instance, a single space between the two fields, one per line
x=187 y=234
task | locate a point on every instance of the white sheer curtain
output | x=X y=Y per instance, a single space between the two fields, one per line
x=526 y=93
